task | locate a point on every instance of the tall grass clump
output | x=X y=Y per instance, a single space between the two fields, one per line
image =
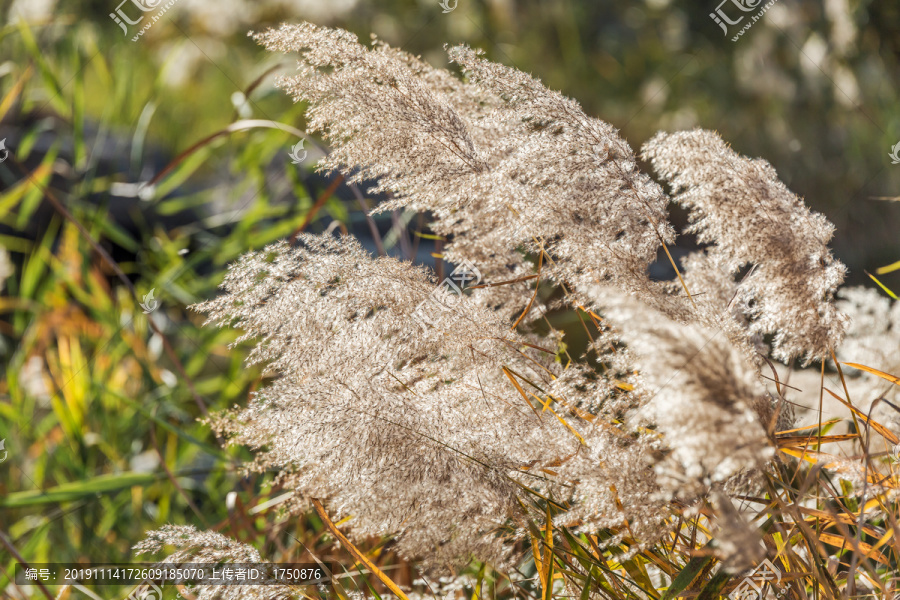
x=665 y=460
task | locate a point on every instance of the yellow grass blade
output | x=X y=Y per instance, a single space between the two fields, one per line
x=889 y=268
x=882 y=286
x=536 y=286
x=836 y=540
x=882 y=374
x=547 y=406
x=546 y=577
x=881 y=429
x=813 y=426
x=811 y=456
x=797 y=441
x=14 y=92
x=884 y=539
x=356 y=551
x=538 y=565
x=522 y=392
x=9 y=198
x=678 y=273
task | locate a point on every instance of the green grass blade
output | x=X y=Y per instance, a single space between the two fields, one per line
x=586 y=591
x=882 y=286
x=71 y=491
x=686 y=577
x=711 y=590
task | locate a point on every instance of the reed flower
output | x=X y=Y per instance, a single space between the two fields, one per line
x=703 y=395
x=449 y=432
x=500 y=160
x=873 y=337
x=751 y=220
x=194 y=546
x=414 y=432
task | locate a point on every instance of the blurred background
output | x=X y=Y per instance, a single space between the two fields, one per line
x=127 y=187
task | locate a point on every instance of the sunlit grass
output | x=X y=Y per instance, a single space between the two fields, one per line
x=100 y=417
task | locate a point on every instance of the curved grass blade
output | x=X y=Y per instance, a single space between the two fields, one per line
x=882 y=286
x=356 y=551
x=887 y=376
x=687 y=576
